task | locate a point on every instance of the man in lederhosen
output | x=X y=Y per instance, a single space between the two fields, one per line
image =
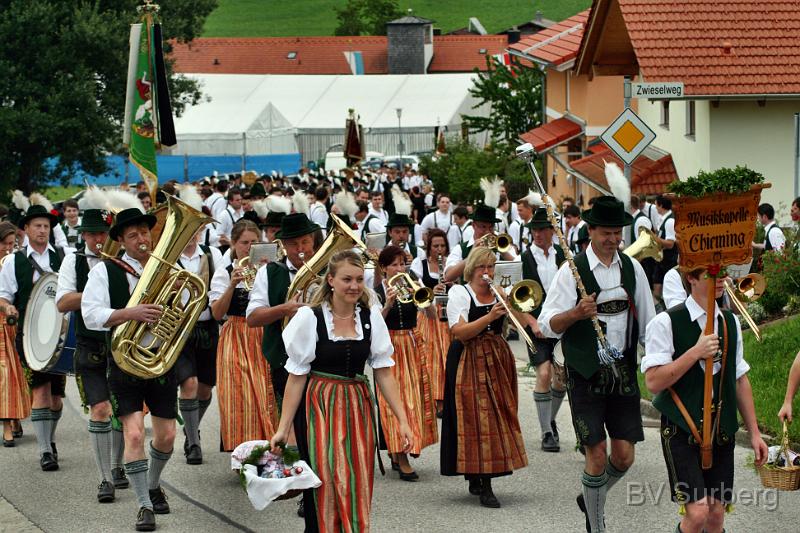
x=270 y=302
x=196 y=368
x=604 y=397
x=91 y=359
x=676 y=352
x=104 y=306
x=17 y=279
x=540 y=263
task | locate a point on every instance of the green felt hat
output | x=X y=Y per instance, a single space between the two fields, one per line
x=540 y=220
x=608 y=212
x=95 y=220
x=396 y=220
x=37 y=211
x=129 y=217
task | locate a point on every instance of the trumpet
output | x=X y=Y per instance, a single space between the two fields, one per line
x=517 y=325
x=409 y=291
x=500 y=243
x=747 y=289
x=248 y=272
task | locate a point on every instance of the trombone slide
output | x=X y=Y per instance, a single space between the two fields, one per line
x=509 y=311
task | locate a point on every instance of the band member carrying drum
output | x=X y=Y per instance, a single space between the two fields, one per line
x=17 y=281
x=540 y=262
x=103 y=306
x=91 y=360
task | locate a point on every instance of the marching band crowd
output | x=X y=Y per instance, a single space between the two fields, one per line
x=417 y=302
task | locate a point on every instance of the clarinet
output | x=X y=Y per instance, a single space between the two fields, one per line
x=443 y=301
x=607 y=354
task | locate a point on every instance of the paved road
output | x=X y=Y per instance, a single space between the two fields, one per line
x=540 y=497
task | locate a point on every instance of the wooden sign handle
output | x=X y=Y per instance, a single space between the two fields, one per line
x=708 y=443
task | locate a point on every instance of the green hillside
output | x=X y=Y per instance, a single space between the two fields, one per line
x=275 y=18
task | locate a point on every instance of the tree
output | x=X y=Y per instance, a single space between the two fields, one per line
x=514 y=95
x=366 y=17
x=62 y=89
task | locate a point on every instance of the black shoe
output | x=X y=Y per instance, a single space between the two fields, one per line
x=48 y=462
x=554 y=427
x=17 y=433
x=411 y=476
x=475 y=487
x=55 y=451
x=145 y=520
x=395 y=466
x=488 y=499
x=9 y=443
x=159 y=501
x=582 y=507
x=105 y=492
x=301 y=511
x=119 y=478
x=194 y=456
x=549 y=443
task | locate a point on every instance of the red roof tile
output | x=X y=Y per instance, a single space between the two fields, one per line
x=324 y=55
x=552 y=134
x=556 y=44
x=648 y=176
x=720 y=47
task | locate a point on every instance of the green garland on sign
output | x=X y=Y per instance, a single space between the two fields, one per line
x=723 y=180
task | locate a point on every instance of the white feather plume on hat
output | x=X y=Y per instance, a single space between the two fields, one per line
x=40 y=199
x=260 y=207
x=93 y=198
x=402 y=203
x=300 y=202
x=20 y=201
x=189 y=195
x=281 y=204
x=618 y=184
x=346 y=203
x=117 y=201
x=491 y=191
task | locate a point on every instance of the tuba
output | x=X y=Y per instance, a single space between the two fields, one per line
x=409 y=291
x=307 y=281
x=145 y=350
x=646 y=245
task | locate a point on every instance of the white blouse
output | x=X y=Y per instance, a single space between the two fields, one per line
x=416 y=268
x=301 y=343
x=459 y=299
x=219 y=284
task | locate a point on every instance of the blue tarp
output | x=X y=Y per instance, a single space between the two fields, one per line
x=172 y=167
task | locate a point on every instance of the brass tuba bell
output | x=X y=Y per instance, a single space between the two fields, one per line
x=646 y=245
x=146 y=350
x=409 y=291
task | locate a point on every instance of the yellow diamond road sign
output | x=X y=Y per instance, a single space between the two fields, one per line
x=628 y=136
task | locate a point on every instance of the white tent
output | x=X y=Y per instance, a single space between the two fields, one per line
x=272 y=114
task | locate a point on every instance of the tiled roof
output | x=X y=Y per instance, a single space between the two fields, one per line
x=324 y=55
x=552 y=134
x=720 y=47
x=648 y=176
x=555 y=45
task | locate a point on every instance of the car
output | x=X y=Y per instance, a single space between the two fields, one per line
x=394 y=161
x=335 y=161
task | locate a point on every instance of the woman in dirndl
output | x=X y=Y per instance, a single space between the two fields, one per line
x=15 y=400
x=329 y=400
x=247 y=406
x=481 y=436
x=410 y=370
x=433 y=326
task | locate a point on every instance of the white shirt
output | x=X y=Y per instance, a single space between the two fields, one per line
x=300 y=338
x=775 y=236
x=562 y=296
x=259 y=296
x=514 y=231
x=375 y=225
x=416 y=268
x=572 y=236
x=67 y=276
x=546 y=267
x=209 y=236
x=659 y=347
x=502 y=226
x=8 y=276
x=458 y=234
x=96 y=301
x=672 y=289
x=641 y=222
x=669 y=227
x=381 y=215
x=219 y=284
x=458 y=302
x=193 y=264
x=652 y=213
x=216 y=203
x=318 y=214
x=437 y=219
x=227 y=219
x=455 y=255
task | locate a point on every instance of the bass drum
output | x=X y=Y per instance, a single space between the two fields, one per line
x=48 y=336
x=559 y=367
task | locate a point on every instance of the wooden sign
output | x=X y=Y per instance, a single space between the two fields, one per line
x=716 y=229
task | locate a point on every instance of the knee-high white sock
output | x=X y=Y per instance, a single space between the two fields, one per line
x=100 y=434
x=158 y=460
x=544 y=406
x=41 y=426
x=594 y=495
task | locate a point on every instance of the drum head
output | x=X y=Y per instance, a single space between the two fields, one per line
x=558 y=354
x=45 y=328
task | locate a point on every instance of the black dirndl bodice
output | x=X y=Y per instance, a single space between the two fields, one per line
x=427 y=280
x=239 y=300
x=401 y=316
x=345 y=357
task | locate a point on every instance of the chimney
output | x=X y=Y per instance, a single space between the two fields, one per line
x=513 y=35
x=410 y=44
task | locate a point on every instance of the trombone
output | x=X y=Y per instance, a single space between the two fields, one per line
x=499 y=243
x=747 y=289
x=409 y=291
x=502 y=300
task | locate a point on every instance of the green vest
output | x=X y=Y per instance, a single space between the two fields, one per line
x=580 y=339
x=465 y=250
x=272 y=345
x=530 y=270
x=24 y=274
x=81 y=277
x=689 y=387
x=118 y=290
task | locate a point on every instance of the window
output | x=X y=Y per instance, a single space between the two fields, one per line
x=664 y=114
x=690 y=119
x=291 y=55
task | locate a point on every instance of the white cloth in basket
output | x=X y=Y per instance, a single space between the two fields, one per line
x=263 y=491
